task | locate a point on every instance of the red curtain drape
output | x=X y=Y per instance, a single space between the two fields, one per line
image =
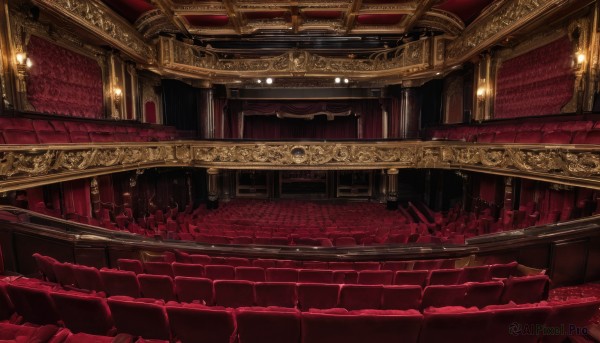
x=63 y=82
x=394 y=108
x=219 y=109
x=536 y=83
x=150 y=110
x=371 y=118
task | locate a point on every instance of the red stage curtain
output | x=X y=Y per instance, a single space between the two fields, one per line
x=536 y=83
x=394 y=108
x=62 y=81
x=219 y=105
x=272 y=127
x=370 y=118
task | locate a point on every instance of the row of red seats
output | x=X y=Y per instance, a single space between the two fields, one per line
x=198 y=323
x=568 y=132
x=26 y=333
x=363 y=277
x=42 y=131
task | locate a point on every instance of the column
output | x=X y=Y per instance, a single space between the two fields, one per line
x=213 y=189
x=8 y=68
x=392 y=189
x=95 y=198
x=484 y=93
x=508 y=213
x=410 y=113
x=207 y=112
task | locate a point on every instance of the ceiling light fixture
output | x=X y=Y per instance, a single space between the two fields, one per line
x=346 y=80
x=269 y=80
x=337 y=80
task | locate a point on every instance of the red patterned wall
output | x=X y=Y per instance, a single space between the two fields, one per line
x=537 y=83
x=62 y=81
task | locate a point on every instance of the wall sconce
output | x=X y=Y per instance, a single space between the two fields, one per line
x=23 y=62
x=580 y=58
x=481 y=93
x=117 y=97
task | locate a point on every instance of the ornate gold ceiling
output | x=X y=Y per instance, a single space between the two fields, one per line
x=228 y=41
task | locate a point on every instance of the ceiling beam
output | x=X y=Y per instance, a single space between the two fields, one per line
x=422 y=7
x=351 y=14
x=165 y=6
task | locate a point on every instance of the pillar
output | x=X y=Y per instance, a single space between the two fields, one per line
x=508 y=213
x=410 y=113
x=95 y=198
x=392 y=189
x=484 y=93
x=207 y=113
x=8 y=64
x=213 y=189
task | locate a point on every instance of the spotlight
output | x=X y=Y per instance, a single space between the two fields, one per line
x=258 y=81
x=337 y=80
x=269 y=80
x=346 y=80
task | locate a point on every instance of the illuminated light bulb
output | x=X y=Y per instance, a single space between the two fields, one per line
x=28 y=63
x=20 y=57
x=337 y=80
x=269 y=80
x=580 y=57
x=346 y=80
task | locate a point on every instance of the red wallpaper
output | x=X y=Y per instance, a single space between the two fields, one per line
x=62 y=81
x=537 y=83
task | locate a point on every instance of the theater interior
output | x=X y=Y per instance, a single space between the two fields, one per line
x=306 y=171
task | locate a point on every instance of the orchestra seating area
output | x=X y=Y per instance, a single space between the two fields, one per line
x=532 y=131
x=67 y=310
x=327 y=224
x=15 y=130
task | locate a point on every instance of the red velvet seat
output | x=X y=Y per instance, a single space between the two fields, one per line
x=196 y=323
x=282 y=274
x=592 y=137
x=341 y=265
x=503 y=270
x=45 y=266
x=192 y=289
x=427 y=265
x=51 y=136
x=401 y=297
x=260 y=325
x=364 y=326
x=508 y=323
x=443 y=295
x=33 y=302
x=234 y=293
x=237 y=262
x=316 y=295
x=396 y=265
x=576 y=312
x=65 y=274
x=315 y=275
x=158 y=268
x=444 y=277
x=264 y=263
x=256 y=274
x=130 y=265
x=219 y=272
x=83 y=313
x=315 y=265
x=88 y=338
x=18 y=136
x=528 y=137
x=557 y=137
x=157 y=286
x=358 y=297
x=22 y=333
x=481 y=294
x=88 y=278
x=475 y=274
x=411 y=277
x=526 y=289
x=455 y=325
x=6 y=306
x=200 y=259
x=119 y=282
x=375 y=277
x=345 y=276
x=282 y=294
x=187 y=269
x=344 y=242
x=485 y=137
x=367 y=265
x=137 y=318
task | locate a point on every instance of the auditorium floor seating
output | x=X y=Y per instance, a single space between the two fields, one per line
x=312 y=223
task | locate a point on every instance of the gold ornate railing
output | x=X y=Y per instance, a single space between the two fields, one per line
x=28 y=166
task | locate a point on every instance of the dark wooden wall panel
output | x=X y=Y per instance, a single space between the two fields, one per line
x=593 y=260
x=569 y=262
x=91 y=256
x=27 y=245
x=536 y=256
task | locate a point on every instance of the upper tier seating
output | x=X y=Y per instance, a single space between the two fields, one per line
x=14 y=130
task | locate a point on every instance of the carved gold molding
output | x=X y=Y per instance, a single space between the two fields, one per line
x=100 y=20
x=177 y=56
x=29 y=166
x=495 y=25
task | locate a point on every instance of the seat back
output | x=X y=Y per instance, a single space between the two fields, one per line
x=315 y=275
x=282 y=294
x=375 y=277
x=34 y=304
x=503 y=270
x=317 y=295
x=119 y=282
x=219 y=272
x=358 y=297
x=257 y=325
x=526 y=289
x=65 y=274
x=130 y=265
x=191 y=289
x=406 y=297
x=88 y=278
x=475 y=274
x=507 y=324
x=443 y=295
x=157 y=286
x=444 y=276
x=195 y=323
x=256 y=274
x=188 y=269
x=411 y=277
x=282 y=274
x=142 y=319
x=158 y=268
x=234 y=293
x=448 y=325
x=83 y=313
x=481 y=294
x=576 y=312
